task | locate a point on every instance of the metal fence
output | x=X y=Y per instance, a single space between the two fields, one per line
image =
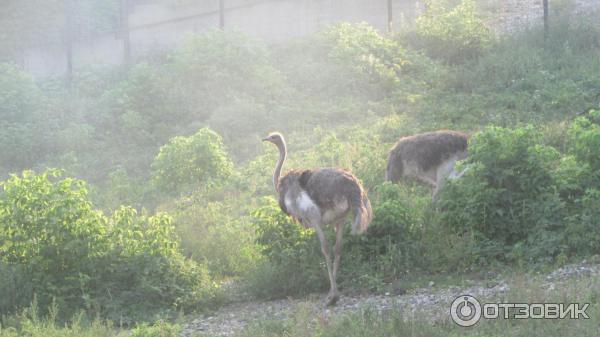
x=137 y=28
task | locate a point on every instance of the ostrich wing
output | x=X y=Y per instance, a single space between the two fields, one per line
x=325 y=186
x=429 y=149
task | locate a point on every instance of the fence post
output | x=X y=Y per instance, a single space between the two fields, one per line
x=546 y=28
x=222 y=14
x=69 y=40
x=390 y=17
x=125 y=31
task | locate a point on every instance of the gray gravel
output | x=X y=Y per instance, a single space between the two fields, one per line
x=428 y=303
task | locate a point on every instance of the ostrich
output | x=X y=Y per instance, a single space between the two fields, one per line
x=428 y=157
x=321 y=196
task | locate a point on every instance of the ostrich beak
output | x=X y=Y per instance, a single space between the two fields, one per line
x=265 y=140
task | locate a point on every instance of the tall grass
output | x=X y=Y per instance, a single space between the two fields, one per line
x=31 y=323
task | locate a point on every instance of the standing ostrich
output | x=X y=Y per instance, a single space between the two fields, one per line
x=319 y=197
x=429 y=157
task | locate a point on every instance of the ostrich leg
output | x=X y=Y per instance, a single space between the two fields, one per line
x=337 y=254
x=325 y=251
x=443 y=173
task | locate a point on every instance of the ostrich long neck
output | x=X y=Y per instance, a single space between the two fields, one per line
x=282 y=153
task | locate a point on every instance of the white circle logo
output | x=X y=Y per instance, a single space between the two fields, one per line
x=465 y=310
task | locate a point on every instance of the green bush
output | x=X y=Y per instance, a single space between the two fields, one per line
x=580 y=186
x=585 y=139
x=454 y=35
x=392 y=244
x=367 y=53
x=212 y=234
x=126 y=267
x=15 y=287
x=522 y=201
x=24 y=126
x=187 y=162
x=582 y=235
x=144 y=272
x=50 y=230
x=293 y=263
x=507 y=200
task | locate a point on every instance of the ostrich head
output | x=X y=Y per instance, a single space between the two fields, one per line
x=275 y=138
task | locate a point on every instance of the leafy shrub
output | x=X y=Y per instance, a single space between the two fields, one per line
x=21 y=98
x=585 y=139
x=145 y=263
x=293 y=263
x=50 y=229
x=186 y=162
x=392 y=243
x=15 y=287
x=214 y=234
x=366 y=52
x=507 y=197
x=454 y=35
x=580 y=185
x=120 y=188
x=23 y=127
x=582 y=235
x=126 y=267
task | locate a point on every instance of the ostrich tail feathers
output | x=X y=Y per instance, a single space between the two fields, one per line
x=363 y=214
x=395 y=167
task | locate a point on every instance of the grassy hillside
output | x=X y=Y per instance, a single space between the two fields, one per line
x=177 y=137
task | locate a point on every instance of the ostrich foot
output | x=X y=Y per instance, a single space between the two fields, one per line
x=332 y=299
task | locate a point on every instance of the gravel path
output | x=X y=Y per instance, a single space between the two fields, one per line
x=429 y=303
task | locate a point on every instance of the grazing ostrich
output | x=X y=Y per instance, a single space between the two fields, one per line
x=429 y=157
x=318 y=197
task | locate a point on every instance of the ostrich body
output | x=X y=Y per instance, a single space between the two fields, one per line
x=428 y=157
x=317 y=197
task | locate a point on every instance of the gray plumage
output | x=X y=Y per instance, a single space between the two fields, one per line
x=321 y=196
x=429 y=157
x=330 y=189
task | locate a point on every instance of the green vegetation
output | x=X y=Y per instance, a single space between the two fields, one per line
x=454 y=35
x=190 y=162
x=523 y=200
x=29 y=323
x=125 y=267
x=177 y=138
